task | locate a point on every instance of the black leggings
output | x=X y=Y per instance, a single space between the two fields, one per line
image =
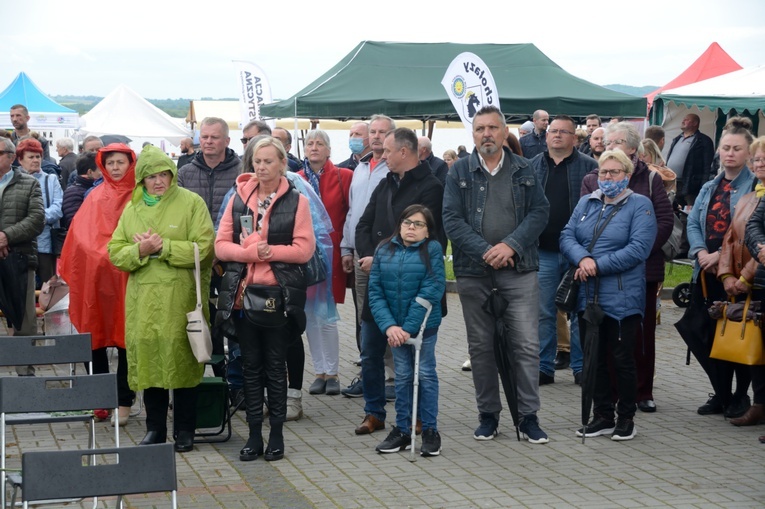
x=101 y=365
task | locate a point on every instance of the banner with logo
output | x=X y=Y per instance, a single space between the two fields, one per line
x=254 y=90
x=470 y=86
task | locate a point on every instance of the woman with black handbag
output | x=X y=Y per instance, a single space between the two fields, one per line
x=611 y=270
x=275 y=242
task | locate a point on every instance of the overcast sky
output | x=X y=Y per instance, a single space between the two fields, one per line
x=170 y=49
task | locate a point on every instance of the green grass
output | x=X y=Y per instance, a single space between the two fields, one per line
x=673 y=273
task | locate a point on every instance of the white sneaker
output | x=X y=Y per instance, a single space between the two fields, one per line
x=294 y=404
x=467 y=366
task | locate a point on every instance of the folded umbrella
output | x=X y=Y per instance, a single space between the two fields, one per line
x=696 y=326
x=593 y=315
x=496 y=305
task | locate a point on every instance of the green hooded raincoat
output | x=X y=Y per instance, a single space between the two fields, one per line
x=161 y=288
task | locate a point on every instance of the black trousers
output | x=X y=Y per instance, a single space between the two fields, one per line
x=617 y=341
x=295 y=359
x=101 y=365
x=184 y=409
x=264 y=356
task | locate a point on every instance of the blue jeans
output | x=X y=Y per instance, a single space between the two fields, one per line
x=373 y=344
x=552 y=267
x=427 y=403
x=234 y=373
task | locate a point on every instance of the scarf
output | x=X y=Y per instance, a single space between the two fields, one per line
x=312 y=177
x=150 y=199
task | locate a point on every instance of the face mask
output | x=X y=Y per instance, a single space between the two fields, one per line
x=612 y=188
x=356 y=145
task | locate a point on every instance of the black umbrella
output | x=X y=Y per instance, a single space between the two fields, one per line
x=496 y=305
x=115 y=138
x=593 y=315
x=696 y=326
x=13 y=287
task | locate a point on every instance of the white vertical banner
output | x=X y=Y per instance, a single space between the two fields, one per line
x=470 y=86
x=254 y=90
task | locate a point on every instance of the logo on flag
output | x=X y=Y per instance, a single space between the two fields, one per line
x=470 y=86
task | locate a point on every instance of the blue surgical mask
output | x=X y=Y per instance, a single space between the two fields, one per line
x=613 y=188
x=356 y=145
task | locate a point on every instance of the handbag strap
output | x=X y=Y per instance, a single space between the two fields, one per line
x=197 y=275
x=599 y=231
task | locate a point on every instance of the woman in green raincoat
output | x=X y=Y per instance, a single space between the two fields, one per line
x=154 y=243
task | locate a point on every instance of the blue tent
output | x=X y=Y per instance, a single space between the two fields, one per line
x=44 y=111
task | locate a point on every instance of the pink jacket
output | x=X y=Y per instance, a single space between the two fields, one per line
x=258 y=270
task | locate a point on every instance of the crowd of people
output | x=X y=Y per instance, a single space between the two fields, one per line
x=280 y=240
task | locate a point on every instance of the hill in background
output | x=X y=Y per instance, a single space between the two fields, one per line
x=178 y=108
x=629 y=89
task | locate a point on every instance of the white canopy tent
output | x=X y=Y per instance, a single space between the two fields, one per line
x=125 y=112
x=715 y=99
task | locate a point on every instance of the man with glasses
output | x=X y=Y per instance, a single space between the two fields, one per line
x=494 y=211
x=408 y=182
x=536 y=141
x=625 y=137
x=690 y=157
x=252 y=129
x=560 y=170
x=22 y=217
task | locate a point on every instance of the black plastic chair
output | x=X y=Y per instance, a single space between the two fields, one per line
x=64 y=349
x=38 y=400
x=66 y=474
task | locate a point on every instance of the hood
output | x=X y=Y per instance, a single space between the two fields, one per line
x=153 y=160
x=127 y=181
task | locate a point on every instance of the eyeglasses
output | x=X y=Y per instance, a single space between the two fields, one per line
x=561 y=131
x=758 y=161
x=417 y=224
x=613 y=173
x=3 y=152
x=245 y=141
x=608 y=143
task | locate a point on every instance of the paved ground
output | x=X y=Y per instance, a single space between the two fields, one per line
x=678 y=459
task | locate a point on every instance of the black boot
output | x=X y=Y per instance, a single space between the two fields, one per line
x=154 y=437
x=184 y=441
x=275 y=449
x=253 y=449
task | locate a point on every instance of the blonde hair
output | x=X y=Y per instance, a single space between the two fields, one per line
x=618 y=156
x=652 y=149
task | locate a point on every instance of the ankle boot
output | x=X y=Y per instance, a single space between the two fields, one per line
x=275 y=449
x=253 y=449
x=755 y=415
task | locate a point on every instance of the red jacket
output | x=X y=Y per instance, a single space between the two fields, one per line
x=334 y=188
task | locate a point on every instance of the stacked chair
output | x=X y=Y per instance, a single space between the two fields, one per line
x=27 y=400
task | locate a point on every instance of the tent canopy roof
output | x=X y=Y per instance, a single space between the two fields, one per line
x=715 y=61
x=403 y=80
x=739 y=90
x=24 y=91
x=125 y=112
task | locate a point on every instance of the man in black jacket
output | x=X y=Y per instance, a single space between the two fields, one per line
x=690 y=157
x=87 y=173
x=437 y=165
x=408 y=182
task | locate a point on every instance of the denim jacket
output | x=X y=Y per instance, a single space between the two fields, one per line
x=697 y=222
x=464 y=201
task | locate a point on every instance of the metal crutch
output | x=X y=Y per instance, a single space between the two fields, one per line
x=416 y=342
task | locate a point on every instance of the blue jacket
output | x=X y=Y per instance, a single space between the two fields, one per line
x=533 y=144
x=52 y=201
x=577 y=168
x=464 y=200
x=619 y=253
x=398 y=277
x=696 y=228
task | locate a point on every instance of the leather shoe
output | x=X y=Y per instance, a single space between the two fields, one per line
x=647 y=405
x=562 y=360
x=250 y=453
x=273 y=454
x=755 y=415
x=184 y=441
x=578 y=378
x=737 y=407
x=154 y=437
x=545 y=379
x=370 y=424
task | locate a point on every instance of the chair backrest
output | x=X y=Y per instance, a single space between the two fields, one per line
x=64 y=349
x=22 y=394
x=67 y=474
